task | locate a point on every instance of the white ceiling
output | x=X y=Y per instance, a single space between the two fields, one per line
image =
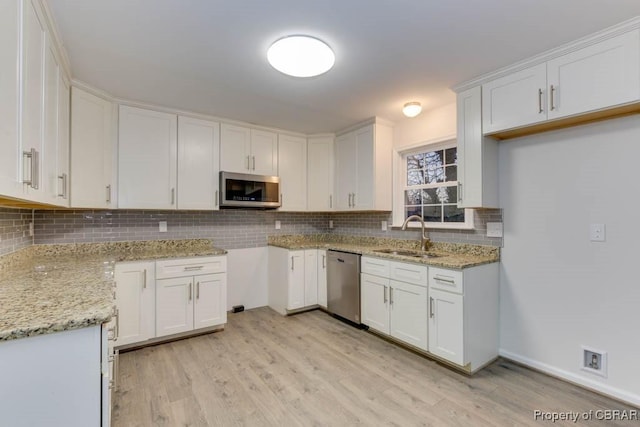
x=209 y=56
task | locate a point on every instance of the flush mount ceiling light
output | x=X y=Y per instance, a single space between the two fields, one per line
x=301 y=56
x=411 y=109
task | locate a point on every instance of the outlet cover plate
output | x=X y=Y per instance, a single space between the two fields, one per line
x=278 y=225
x=597 y=232
x=162 y=226
x=494 y=229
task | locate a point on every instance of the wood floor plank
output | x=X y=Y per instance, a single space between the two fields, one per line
x=311 y=369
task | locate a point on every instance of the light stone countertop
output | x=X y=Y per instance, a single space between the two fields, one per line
x=449 y=255
x=51 y=288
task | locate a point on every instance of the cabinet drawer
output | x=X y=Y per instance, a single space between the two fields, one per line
x=446 y=280
x=190 y=266
x=375 y=266
x=408 y=273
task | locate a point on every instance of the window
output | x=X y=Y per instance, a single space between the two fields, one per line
x=428 y=181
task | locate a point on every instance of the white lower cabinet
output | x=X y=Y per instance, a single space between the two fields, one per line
x=167 y=297
x=293 y=279
x=463 y=315
x=393 y=307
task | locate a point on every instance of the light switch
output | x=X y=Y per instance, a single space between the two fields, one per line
x=162 y=226
x=278 y=225
x=494 y=229
x=330 y=223
x=384 y=225
x=597 y=233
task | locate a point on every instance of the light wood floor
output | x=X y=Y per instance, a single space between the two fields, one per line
x=311 y=369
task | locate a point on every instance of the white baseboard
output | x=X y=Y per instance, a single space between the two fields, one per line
x=616 y=393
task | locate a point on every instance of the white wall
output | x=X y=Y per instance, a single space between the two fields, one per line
x=428 y=126
x=247 y=277
x=559 y=290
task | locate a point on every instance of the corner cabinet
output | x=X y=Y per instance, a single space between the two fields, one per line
x=135 y=301
x=477 y=155
x=320 y=171
x=246 y=150
x=364 y=168
x=92 y=150
x=293 y=279
x=292 y=170
x=147 y=159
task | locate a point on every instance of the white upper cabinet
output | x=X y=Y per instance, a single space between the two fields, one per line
x=198 y=160
x=10 y=149
x=603 y=75
x=320 y=161
x=50 y=125
x=477 y=155
x=64 y=111
x=515 y=100
x=595 y=77
x=92 y=143
x=147 y=159
x=245 y=150
x=292 y=166
x=363 y=168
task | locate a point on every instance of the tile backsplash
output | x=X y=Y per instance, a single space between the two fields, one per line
x=232 y=229
x=14 y=229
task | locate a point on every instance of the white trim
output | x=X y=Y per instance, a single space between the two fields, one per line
x=588 y=383
x=436 y=142
x=581 y=43
x=370 y=121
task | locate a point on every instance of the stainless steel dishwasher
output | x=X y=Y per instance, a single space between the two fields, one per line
x=343 y=285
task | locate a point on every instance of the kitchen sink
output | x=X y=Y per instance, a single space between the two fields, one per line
x=404 y=252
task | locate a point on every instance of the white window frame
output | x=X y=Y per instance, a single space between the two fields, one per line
x=399 y=184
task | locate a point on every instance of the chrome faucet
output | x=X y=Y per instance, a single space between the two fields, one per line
x=424 y=239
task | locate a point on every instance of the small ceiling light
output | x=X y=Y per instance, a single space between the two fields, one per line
x=301 y=56
x=412 y=109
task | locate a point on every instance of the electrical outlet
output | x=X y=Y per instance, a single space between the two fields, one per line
x=278 y=225
x=330 y=223
x=594 y=361
x=597 y=232
x=162 y=226
x=384 y=225
x=494 y=229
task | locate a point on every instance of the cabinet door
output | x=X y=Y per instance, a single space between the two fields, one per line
x=374 y=302
x=292 y=170
x=49 y=157
x=310 y=277
x=264 y=152
x=210 y=300
x=235 y=148
x=91 y=150
x=408 y=313
x=33 y=35
x=477 y=155
x=296 y=280
x=446 y=326
x=363 y=194
x=515 y=100
x=599 y=76
x=198 y=160
x=346 y=172
x=135 y=301
x=147 y=159
x=322 y=278
x=10 y=149
x=320 y=174
x=174 y=305
x=64 y=98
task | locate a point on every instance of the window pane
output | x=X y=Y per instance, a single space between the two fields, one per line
x=443 y=195
x=453 y=214
x=412 y=197
x=432 y=213
x=451 y=156
x=434 y=175
x=415 y=177
x=415 y=169
x=433 y=159
x=412 y=210
x=452 y=194
x=451 y=173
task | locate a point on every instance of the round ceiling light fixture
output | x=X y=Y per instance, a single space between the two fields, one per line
x=301 y=56
x=412 y=109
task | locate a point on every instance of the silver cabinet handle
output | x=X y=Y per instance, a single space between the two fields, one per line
x=330 y=201
x=108 y=193
x=540 y=110
x=431 y=307
x=116 y=368
x=144 y=279
x=194 y=267
x=390 y=295
x=254 y=162
x=173 y=196
x=63 y=178
x=116 y=329
x=459 y=191
x=551 y=95
x=32 y=156
x=197 y=290
x=292 y=263
x=190 y=291
x=354 y=200
x=217 y=199
x=442 y=279
x=323 y=261
x=350 y=199
x=384 y=297
x=248 y=162
x=281 y=199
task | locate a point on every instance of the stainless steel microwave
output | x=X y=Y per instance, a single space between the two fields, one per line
x=241 y=190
